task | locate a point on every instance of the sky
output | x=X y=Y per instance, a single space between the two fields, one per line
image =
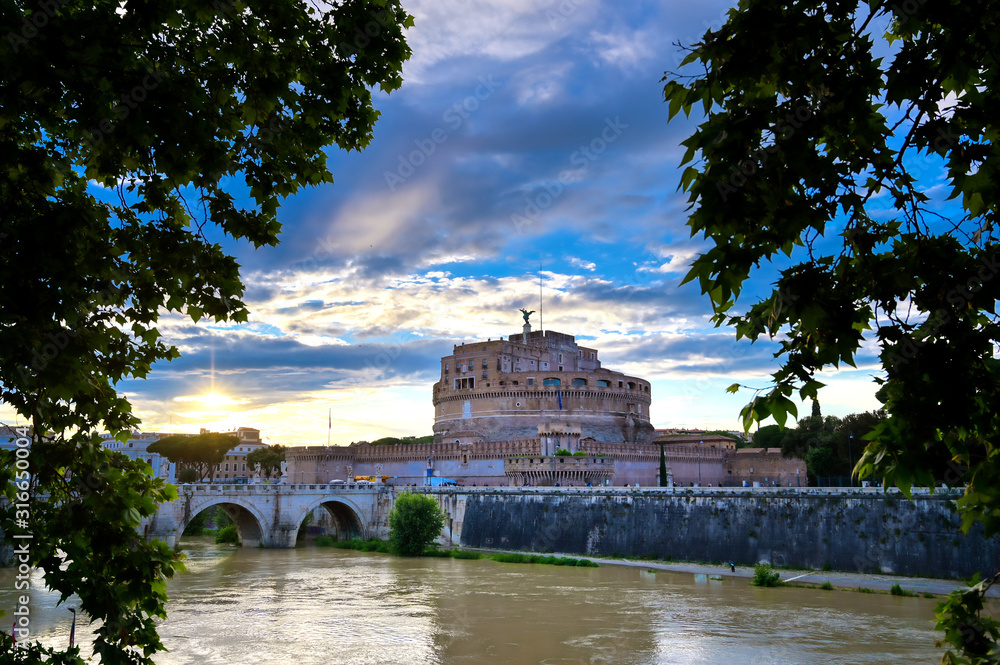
x=528 y=143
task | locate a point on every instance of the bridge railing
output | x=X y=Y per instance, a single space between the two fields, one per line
x=943 y=493
x=233 y=488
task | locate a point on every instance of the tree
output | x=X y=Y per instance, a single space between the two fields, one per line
x=663 y=467
x=188 y=475
x=769 y=436
x=126 y=130
x=414 y=522
x=266 y=460
x=202 y=452
x=860 y=145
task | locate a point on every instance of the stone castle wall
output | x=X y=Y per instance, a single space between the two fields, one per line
x=484 y=463
x=869 y=531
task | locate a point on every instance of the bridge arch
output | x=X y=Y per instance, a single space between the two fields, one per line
x=347 y=517
x=245 y=515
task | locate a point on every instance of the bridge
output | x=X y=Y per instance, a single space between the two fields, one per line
x=270 y=515
x=865 y=529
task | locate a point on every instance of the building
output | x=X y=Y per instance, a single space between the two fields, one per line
x=537 y=408
x=234 y=465
x=695 y=438
x=135 y=448
x=500 y=390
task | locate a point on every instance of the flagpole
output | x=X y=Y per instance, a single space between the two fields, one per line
x=329 y=426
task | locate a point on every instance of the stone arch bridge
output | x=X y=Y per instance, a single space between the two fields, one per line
x=270 y=515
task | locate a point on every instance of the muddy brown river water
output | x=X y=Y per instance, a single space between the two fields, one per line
x=321 y=606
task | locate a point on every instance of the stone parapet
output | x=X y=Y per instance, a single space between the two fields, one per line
x=559 y=469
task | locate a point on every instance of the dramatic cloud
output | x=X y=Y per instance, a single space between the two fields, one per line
x=529 y=142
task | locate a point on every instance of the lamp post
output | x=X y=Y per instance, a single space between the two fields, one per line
x=699 y=462
x=850 y=456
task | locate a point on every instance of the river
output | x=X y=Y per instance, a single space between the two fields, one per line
x=317 y=605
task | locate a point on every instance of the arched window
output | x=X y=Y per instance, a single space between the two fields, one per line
x=551 y=382
x=579 y=382
x=631 y=385
x=601 y=383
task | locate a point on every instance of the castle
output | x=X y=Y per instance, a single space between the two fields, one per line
x=537 y=408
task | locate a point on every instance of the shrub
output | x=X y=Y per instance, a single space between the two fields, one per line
x=465 y=554
x=826 y=586
x=435 y=552
x=324 y=541
x=580 y=453
x=562 y=452
x=765 y=575
x=897 y=590
x=864 y=589
x=414 y=522
x=510 y=557
x=371 y=545
x=228 y=535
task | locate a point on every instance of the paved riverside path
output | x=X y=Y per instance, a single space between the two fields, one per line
x=839 y=579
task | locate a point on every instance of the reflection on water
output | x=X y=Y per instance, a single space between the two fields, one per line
x=315 y=605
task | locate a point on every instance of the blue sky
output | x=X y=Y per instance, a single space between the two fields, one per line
x=525 y=133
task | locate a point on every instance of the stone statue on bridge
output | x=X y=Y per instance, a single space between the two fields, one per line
x=526 y=314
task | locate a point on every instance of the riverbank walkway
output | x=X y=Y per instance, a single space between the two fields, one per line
x=839 y=579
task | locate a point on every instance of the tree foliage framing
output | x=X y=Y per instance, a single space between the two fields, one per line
x=853 y=146
x=127 y=128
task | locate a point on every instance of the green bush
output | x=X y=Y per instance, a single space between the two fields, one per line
x=465 y=554
x=207 y=522
x=228 y=535
x=897 y=590
x=826 y=586
x=562 y=452
x=414 y=522
x=765 y=575
x=864 y=589
x=580 y=453
x=324 y=541
x=509 y=557
x=371 y=545
x=435 y=552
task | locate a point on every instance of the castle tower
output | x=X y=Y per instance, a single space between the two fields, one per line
x=506 y=389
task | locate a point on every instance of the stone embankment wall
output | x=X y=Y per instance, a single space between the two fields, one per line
x=863 y=530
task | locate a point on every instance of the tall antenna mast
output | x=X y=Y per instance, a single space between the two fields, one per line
x=541 y=316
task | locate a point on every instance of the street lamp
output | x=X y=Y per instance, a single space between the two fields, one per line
x=699 y=462
x=850 y=456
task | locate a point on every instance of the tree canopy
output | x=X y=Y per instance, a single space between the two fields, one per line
x=266 y=460
x=127 y=131
x=850 y=150
x=202 y=452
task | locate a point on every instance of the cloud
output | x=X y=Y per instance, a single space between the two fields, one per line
x=524 y=132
